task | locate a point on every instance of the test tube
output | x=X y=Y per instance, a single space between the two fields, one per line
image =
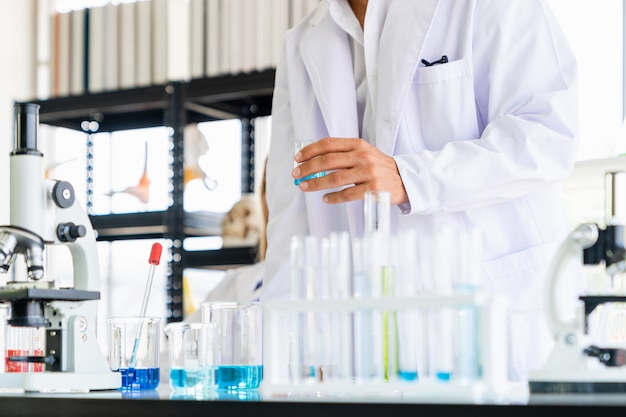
x=410 y=324
x=377 y=216
x=442 y=321
x=468 y=279
x=336 y=257
x=305 y=267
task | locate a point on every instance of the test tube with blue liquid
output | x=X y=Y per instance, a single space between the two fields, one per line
x=411 y=326
x=441 y=322
x=297 y=148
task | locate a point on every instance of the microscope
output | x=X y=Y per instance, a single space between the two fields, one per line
x=577 y=365
x=67 y=356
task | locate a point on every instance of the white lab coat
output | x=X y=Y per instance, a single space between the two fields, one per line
x=480 y=141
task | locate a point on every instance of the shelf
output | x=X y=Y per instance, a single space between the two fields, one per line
x=224 y=258
x=175 y=104
x=218 y=98
x=152 y=225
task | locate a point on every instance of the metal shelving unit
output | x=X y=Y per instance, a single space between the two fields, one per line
x=175 y=104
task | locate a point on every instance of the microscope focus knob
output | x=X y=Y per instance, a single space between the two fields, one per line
x=69 y=232
x=63 y=194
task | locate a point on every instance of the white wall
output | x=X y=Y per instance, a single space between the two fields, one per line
x=17 y=78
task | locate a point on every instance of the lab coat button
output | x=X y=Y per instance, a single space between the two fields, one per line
x=375 y=76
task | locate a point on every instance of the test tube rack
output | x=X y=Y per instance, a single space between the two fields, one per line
x=491 y=386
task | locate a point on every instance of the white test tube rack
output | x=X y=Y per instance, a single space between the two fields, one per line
x=492 y=385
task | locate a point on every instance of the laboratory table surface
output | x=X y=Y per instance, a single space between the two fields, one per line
x=163 y=402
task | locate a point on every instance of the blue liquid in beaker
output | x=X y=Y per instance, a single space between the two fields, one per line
x=182 y=379
x=309 y=177
x=140 y=378
x=238 y=377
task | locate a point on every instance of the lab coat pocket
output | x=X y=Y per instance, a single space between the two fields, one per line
x=444 y=96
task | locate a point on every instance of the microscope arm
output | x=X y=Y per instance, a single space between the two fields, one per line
x=584 y=236
x=73 y=228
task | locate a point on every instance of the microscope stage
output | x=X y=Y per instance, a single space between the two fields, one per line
x=47 y=294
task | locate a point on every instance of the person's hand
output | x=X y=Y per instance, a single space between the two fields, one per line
x=353 y=164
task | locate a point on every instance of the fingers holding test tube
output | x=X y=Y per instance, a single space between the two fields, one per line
x=351 y=164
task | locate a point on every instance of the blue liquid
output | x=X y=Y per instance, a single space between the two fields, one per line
x=443 y=376
x=238 y=377
x=408 y=375
x=181 y=379
x=309 y=177
x=143 y=378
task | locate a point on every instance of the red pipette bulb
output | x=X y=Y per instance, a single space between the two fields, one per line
x=155 y=254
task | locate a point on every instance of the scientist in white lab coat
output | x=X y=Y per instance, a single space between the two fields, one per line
x=465 y=110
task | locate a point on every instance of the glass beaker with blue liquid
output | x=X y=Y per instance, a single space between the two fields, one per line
x=237 y=348
x=297 y=148
x=191 y=357
x=134 y=351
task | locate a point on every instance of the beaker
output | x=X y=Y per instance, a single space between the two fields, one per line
x=134 y=350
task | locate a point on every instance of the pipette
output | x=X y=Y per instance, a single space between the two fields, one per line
x=155 y=258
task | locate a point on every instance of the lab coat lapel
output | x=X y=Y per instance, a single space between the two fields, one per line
x=401 y=47
x=328 y=61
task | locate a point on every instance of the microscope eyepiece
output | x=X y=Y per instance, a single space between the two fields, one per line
x=26 y=125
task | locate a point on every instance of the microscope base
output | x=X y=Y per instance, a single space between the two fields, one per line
x=62 y=382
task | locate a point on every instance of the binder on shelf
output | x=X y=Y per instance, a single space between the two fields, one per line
x=178 y=41
x=78 y=39
x=96 y=49
x=64 y=54
x=197 y=37
x=296 y=12
x=280 y=25
x=55 y=22
x=224 y=37
x=212 y=45
x=248 y=35
x=235 y=28
x=159 y=42
x=111 y=39
x=264 y=21
x=143 y=33
x=127 y=44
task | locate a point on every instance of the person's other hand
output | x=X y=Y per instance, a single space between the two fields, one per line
x=351 y=163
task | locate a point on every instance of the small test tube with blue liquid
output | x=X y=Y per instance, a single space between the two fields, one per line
x=297 y=148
